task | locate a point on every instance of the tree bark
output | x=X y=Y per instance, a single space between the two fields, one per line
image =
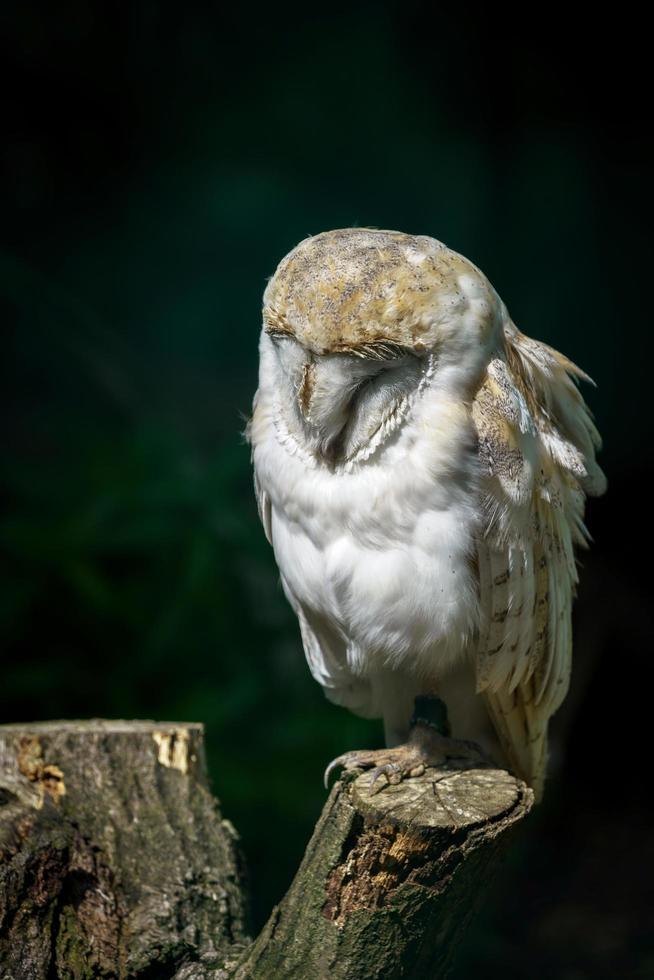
x=114 y=858
x=116 y=863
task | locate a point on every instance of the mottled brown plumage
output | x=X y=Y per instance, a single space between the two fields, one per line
x=361 y=288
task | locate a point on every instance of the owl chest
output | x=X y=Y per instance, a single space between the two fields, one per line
x=383 y=553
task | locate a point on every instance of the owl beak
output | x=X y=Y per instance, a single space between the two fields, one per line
x=306 y=389
x=323 y=397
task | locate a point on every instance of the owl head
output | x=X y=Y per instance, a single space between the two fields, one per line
x=357 y=321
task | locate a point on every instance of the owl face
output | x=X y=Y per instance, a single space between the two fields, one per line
x=336 y=404
x=357 y=323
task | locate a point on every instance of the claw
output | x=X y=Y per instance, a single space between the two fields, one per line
x=362 y=760
x=391 y=771
x=334 y=764
x=426 y=748
x=348 y=761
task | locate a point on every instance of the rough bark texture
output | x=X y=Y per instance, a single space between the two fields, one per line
x=115 y=863
x=390 y=879
x=114 y=859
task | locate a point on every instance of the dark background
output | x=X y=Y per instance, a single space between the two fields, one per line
x=157 y=162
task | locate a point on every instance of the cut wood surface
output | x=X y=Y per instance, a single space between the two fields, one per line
x=115 y=861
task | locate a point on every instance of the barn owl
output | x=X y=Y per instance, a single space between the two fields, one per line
x=420 y=470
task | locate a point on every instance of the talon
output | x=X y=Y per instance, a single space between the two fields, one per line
x=393 y=773
x=373 y=792
x=349 y=760
x=334 y=764
x=382 y=771
x=403 y=761
x=327 y=773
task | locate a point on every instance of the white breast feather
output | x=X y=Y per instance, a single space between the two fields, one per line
x=381 y=550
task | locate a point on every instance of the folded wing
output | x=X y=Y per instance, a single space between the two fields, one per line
x=537 y=444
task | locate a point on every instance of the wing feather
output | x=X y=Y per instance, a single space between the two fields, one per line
x=537 y=445
x=264 y=507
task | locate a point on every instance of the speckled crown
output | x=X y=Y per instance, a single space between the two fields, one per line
x=358 y=287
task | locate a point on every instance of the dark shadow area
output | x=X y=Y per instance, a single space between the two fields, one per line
x=157 y=163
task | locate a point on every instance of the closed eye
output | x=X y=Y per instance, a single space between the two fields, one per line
x=376 y=350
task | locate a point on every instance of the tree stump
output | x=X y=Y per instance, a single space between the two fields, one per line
x=114 y=858
x=116 y=863
x=390 y=879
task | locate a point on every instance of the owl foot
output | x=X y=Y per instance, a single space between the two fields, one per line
x=425 y=748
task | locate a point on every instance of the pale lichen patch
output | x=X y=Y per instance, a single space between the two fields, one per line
x=173 y=749
x=47 y=777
